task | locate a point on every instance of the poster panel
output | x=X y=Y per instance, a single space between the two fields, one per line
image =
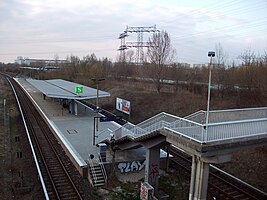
x=123 y=106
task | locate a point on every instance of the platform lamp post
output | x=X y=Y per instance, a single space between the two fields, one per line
x=211 y=54
x=97 y=81
x=112 y=151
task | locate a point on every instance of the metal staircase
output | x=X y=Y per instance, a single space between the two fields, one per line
x=97 y=173
x=223 y=125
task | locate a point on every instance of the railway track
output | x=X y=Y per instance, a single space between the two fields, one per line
x=221 y=185
x=58 y=175
x=103 y=112
x=61 y=179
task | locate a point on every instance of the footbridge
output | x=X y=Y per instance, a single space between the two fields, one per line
x=227 y=131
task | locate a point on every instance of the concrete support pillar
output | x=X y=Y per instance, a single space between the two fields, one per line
x=73 y=107
x=168 y=158
x=199 y=179
x=152 y=167
x=192 y=180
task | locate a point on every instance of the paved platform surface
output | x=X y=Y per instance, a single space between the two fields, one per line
x=75 y=131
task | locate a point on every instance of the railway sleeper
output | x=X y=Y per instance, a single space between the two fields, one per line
x=56 y=170
x=63 y=185
x=57 y=176
x=233 y=193
x=61 y=181
x=66 y=189
x=226 y=188
x=70 y=198
x=239 y=196
x=67 y=195
x=53 y=164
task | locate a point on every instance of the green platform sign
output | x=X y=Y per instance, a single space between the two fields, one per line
x=78 y=89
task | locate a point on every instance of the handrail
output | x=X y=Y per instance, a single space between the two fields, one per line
x=103 y=135
x=216 y=131
x=195 y=114
x=238 y=109
x=149 y=119
x=92 y=168
x=163 y=114
x=237 y=122
x=102 y=167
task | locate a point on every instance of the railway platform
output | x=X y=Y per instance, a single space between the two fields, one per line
x=75 y=131
x=225 y=132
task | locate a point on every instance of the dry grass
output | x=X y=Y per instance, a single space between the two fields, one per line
x=146 y=102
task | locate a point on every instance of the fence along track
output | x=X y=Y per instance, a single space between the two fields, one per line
x=220 y=185
x=58 y=182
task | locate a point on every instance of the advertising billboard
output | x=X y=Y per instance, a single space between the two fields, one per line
x=123 y=106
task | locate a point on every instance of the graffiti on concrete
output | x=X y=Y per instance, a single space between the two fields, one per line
x=126 y=167
x=154 y=173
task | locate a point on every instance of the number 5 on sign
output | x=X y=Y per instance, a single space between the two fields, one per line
x=79 y=89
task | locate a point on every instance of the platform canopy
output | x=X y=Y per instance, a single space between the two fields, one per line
x=58 y=88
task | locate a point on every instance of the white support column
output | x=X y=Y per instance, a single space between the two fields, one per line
x=199 y=179
x=192 y=180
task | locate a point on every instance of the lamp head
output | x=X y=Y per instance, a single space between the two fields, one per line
x=211 y=54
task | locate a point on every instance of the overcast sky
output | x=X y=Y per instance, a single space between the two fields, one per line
x=43 y=28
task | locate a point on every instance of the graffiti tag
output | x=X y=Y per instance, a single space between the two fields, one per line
x=154 y=172
x=126 y=167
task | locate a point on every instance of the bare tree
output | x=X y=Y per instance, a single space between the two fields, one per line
x=160 y=55
x=129 y=56
x=220 y=76
x=248 y=59
x=221 y=55
x=96 y=71
x=56 y=58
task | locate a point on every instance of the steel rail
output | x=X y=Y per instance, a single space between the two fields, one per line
x=29 y=138
x=219 y=178
x=44 y=130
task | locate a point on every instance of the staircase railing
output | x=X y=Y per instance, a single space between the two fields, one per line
x=92 y=169
x=193 y=128
x=103 y=135
x=198 y=116
x=102 y=167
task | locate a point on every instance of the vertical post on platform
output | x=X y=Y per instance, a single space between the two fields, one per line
x=97 y=108
x=94 y=132
x=210 y=54
x=97 y=81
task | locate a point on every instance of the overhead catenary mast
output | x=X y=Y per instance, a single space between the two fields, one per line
x=139 y=44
